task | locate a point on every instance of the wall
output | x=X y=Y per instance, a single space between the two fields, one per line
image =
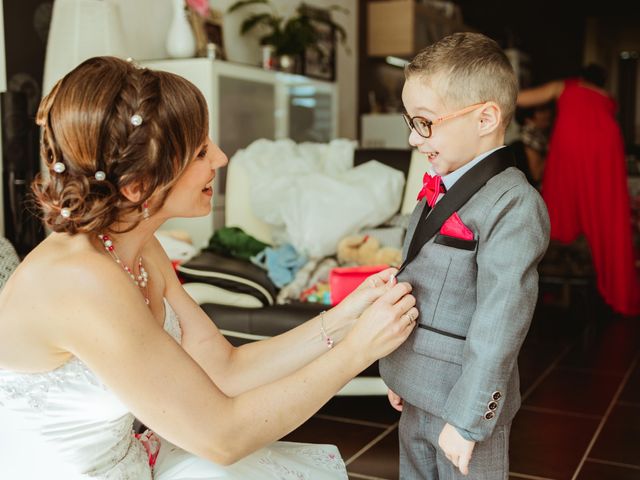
x=606 y=38
x=148 y=43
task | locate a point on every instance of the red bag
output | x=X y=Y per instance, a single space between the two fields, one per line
x=344 y=280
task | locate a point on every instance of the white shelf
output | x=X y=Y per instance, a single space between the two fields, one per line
x=247 y=103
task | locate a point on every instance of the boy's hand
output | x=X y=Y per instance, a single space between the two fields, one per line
x=457 y=449
x=395 y=400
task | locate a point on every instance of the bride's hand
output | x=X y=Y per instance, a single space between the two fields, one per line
x=372 y=288
x=385 y=324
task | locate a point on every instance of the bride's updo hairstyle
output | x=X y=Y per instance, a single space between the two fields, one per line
x=109 y=124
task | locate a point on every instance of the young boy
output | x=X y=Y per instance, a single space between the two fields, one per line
x=471 y=254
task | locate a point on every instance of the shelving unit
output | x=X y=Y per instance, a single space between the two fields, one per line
x=247 y=103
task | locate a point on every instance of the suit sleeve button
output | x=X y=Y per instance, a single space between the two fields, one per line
x=489 y=415
x=492 y=405
x=497 y=395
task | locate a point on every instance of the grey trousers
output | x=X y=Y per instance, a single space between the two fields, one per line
x=422 y=459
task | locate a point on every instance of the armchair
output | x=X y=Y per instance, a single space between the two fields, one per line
x=9 y=260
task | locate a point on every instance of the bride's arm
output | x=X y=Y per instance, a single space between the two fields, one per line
x=237 y=370
x=108 y=326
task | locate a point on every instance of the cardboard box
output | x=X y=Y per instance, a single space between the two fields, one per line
x=403 y=27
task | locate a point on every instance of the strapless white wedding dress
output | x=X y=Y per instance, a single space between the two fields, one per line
x=65 y=424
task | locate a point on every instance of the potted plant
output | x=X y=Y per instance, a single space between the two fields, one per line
x=291 y=37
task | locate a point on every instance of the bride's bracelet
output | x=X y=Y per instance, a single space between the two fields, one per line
x=323 y=333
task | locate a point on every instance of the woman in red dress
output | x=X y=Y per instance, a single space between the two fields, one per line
x=585 y=181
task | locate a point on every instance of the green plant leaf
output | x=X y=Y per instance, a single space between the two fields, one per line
x=244 y=3
x=298 y=33
x=322 y=15
x=338 y=8
x=253 y=20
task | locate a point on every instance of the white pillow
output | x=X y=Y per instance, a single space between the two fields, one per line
x=318 y=210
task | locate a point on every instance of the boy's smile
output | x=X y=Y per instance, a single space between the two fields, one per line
x=454 y=135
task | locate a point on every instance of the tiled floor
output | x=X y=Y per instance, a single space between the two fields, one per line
x=580 y=419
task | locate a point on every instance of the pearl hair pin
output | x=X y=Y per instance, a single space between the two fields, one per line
x=134 y=63
x=60 y=167
x=141 y=280
x=136 y=120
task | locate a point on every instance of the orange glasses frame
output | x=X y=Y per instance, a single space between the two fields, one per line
x=410 y=121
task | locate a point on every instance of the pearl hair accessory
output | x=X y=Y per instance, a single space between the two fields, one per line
x=136 y=120
x=65 y=212
x=59 y=167
x=134 y=63
x=100 y=175
x=141 y=281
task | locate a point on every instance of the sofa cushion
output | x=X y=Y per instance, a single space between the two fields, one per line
x=238 y=276
x=243 y=325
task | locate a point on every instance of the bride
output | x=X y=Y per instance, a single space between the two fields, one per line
x=95 y=328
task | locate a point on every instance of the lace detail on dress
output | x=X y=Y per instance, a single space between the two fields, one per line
x=132 y=466
x=122 y=454
x=70 y=421
x=67 y=425
x=41 y=399
x=172 y=323
x=316 y=456
x=32 y=389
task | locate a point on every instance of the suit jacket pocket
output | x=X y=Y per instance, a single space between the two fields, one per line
x=455 y=242
x=437 y=345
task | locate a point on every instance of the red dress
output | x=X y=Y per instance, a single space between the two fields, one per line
x=585 y=189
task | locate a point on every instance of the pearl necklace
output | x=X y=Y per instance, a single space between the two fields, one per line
x=141 y=281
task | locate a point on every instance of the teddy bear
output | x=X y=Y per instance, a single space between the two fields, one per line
x=366 y=250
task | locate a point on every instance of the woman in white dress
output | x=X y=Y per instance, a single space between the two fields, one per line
x=95 y=328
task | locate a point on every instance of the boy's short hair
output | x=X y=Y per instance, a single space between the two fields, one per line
x=467 y=68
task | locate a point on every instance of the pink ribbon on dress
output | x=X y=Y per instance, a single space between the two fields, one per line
x=151 y=444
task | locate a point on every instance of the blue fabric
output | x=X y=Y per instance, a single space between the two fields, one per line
x=282 y=263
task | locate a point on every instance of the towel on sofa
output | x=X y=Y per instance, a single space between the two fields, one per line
x=314 y=195
x=282 y=263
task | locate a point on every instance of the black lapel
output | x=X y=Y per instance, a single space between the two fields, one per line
x=432 y=219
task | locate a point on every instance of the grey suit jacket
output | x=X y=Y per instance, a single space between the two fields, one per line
x=476 y=299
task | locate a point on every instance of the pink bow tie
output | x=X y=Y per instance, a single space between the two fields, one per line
x=431 y=188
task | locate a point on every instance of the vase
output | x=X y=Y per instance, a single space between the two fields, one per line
x=181 y=42
x=268 y=57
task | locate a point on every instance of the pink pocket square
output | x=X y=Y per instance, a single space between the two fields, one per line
x=454 y=227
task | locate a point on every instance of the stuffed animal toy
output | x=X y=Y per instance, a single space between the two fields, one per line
x=366 y=250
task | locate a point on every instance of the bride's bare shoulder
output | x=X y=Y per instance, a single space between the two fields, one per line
x=59 y=266
x=61 y=284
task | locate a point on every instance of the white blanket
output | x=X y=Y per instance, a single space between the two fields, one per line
x=314 y=195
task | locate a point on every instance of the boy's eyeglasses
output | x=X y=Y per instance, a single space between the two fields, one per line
x=423 y=126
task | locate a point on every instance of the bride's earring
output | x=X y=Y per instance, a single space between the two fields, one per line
x=145 y=210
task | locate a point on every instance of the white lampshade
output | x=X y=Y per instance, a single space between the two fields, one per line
x=81 y=29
